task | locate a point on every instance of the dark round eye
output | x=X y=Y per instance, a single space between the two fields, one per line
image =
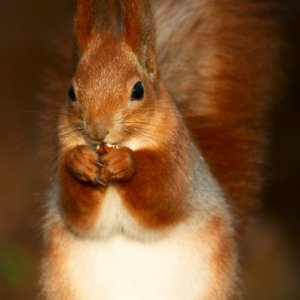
x=137 y=92
x=72 y=94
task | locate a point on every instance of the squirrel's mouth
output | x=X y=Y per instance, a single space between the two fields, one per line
x=108 y=145
x=105 y=147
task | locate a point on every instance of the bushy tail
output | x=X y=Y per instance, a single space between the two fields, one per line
x=220 y=61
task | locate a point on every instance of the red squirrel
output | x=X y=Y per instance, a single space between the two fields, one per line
x=160 y=146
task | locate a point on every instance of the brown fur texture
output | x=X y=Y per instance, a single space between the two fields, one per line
x=83 y=28
x=156 y=203
x=80 y=197
x=230 y=69
x=222 y=63
x=54 y=265
x=218 y=61
x=102 y=106
x=219 y=237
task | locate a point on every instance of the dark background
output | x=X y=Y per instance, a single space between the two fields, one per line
x=28 y=31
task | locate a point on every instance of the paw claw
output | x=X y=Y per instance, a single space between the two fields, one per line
x=100 y=181
x=100 y=164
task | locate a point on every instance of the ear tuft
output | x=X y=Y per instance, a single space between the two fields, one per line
x=109 y=18
x=96 y=18
x=130 y=19
x=84 y=22
x=139 y=31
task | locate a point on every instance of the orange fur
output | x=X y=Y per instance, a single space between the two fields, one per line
x=83 y=28
x=219 y=237
x=80 y=200
x=54 y=264
x=150 y=195
x=228 y=55
x=138 y=25
x=218 y=62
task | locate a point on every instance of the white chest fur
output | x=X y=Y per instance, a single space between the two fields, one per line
x=125 y=263
x=174 y=268
x=122 y=261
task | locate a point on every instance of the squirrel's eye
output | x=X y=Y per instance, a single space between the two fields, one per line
x=138 y=91
x=72 y=94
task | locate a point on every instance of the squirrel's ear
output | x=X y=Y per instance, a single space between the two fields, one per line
x=96 y=17
x=131 y=19
x=84 y=20
x=140 y=32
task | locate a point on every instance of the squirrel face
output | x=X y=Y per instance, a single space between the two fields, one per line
x=113 y=98
x=117 y=97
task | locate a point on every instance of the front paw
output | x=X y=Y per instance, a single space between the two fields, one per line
x=84 y=164
x=118 y=164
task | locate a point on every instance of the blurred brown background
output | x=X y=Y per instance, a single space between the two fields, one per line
x=28 y=30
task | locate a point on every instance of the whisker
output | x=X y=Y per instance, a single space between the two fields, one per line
x=139 y=123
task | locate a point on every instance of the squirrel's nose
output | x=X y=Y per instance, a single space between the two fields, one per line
x=96 y=133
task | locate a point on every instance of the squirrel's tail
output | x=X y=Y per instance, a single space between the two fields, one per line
x=221 y=63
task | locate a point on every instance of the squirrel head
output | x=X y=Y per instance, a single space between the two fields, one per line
x=116 y=95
